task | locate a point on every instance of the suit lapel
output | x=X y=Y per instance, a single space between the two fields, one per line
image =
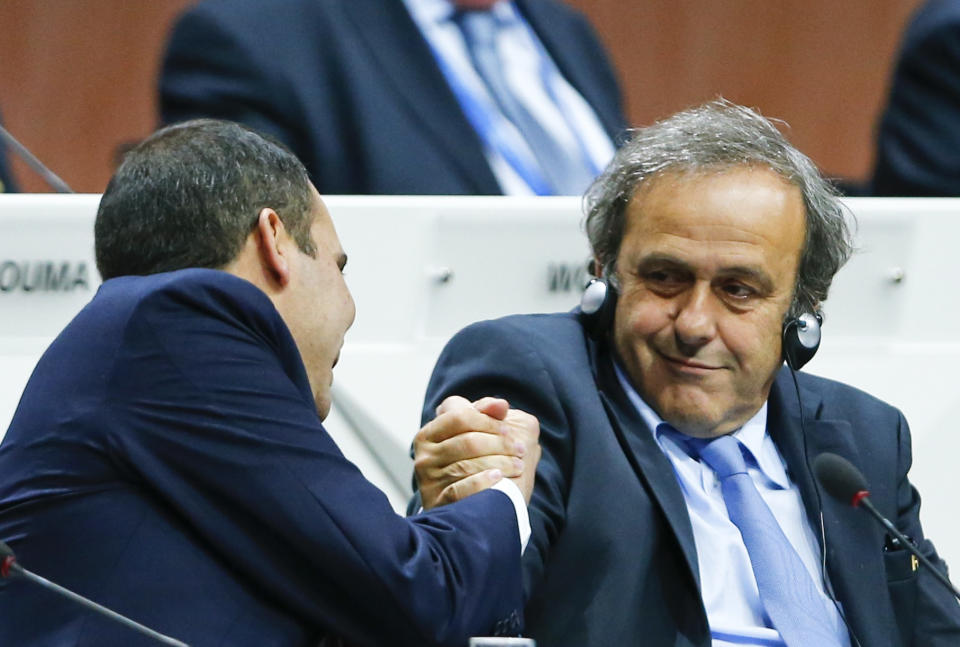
x=410 y=71
x=854 y=561
x=652 y=467
x=542 y=18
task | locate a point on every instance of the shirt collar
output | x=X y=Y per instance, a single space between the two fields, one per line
x=438 y=11
x=753 y=434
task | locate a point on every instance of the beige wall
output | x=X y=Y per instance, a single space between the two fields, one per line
x=77 y=77
x=822 y=66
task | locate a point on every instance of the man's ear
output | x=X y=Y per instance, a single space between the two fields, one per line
x=272 y=236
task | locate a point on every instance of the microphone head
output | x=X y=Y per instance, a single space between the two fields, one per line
x=840 y=478
x=7 y=560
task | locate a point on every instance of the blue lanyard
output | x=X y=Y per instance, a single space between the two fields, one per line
x=483 y=122
x=547 y=73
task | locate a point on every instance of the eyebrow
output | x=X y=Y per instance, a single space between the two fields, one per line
x=754 y=273
x=747 y=271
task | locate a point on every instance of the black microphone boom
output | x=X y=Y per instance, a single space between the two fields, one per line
x=9 y=565
x=844 y=482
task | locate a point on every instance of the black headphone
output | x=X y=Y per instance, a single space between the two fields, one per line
x=801 y=335
x=801 y=338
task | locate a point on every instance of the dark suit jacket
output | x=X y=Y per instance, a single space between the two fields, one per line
x=167 y=461
x=352 y=87
x=7 y=184
x=612 y=559
x=918 y=141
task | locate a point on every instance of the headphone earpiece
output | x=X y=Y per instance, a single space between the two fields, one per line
x=801 y=339
x=597 y=306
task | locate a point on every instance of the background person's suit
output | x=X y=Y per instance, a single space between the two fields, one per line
x=167 y=461
x=918 y=139
x=7 y=184
x=612 y=559
x=352 y=87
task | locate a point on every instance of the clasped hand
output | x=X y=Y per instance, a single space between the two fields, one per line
x=470 y=446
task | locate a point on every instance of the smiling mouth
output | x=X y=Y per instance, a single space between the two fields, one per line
x=689 y=366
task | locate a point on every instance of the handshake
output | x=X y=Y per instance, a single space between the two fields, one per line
x=470 y=446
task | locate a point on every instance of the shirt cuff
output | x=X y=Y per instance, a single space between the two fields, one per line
x=510 y=488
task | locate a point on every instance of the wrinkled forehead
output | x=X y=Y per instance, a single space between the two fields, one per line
x=750 y=205
x=678 y=182
x=678 y=175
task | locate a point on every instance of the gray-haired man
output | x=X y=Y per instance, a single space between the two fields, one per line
x=675 y=504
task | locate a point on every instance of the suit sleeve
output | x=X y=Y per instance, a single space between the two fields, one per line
x=491 y=359
x=936 y=614
x=213 y=415
x=920 y=130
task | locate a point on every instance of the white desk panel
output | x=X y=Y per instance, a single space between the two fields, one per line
x=421 y=268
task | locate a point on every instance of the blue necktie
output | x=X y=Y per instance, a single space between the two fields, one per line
x=566 y=174
x=789 y=596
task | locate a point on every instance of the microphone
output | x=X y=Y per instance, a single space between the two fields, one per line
x=9 y=565
x=48 y=176
x=844 y=482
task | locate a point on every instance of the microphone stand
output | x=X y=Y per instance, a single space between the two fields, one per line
x=49 y=176
x=905 y=541
x=9 y=565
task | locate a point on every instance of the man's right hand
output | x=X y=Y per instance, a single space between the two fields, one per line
x=470 y=446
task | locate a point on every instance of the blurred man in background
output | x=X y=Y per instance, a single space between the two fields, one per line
x=7 y=184
x=406 y=96
x=918 y=138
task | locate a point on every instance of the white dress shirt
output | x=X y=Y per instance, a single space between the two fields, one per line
x=727 y=583
x=512 y=490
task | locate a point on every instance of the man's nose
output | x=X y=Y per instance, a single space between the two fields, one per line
x=695 y=321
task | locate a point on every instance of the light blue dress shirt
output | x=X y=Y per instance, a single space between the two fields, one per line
x=727 y=583
x=533 y=78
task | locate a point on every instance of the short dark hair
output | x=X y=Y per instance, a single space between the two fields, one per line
x=190 y=194
x=713 y=137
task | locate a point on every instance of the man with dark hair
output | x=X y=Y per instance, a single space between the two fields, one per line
x=144 y=227
x=675 y=504
x=168 y=460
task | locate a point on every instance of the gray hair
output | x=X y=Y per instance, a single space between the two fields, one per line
x=711 y=137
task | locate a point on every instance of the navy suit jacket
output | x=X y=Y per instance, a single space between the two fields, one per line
x=167 y=461
x=351 y=86
x=612 y=559
x=918 y=141
x=7 y=184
